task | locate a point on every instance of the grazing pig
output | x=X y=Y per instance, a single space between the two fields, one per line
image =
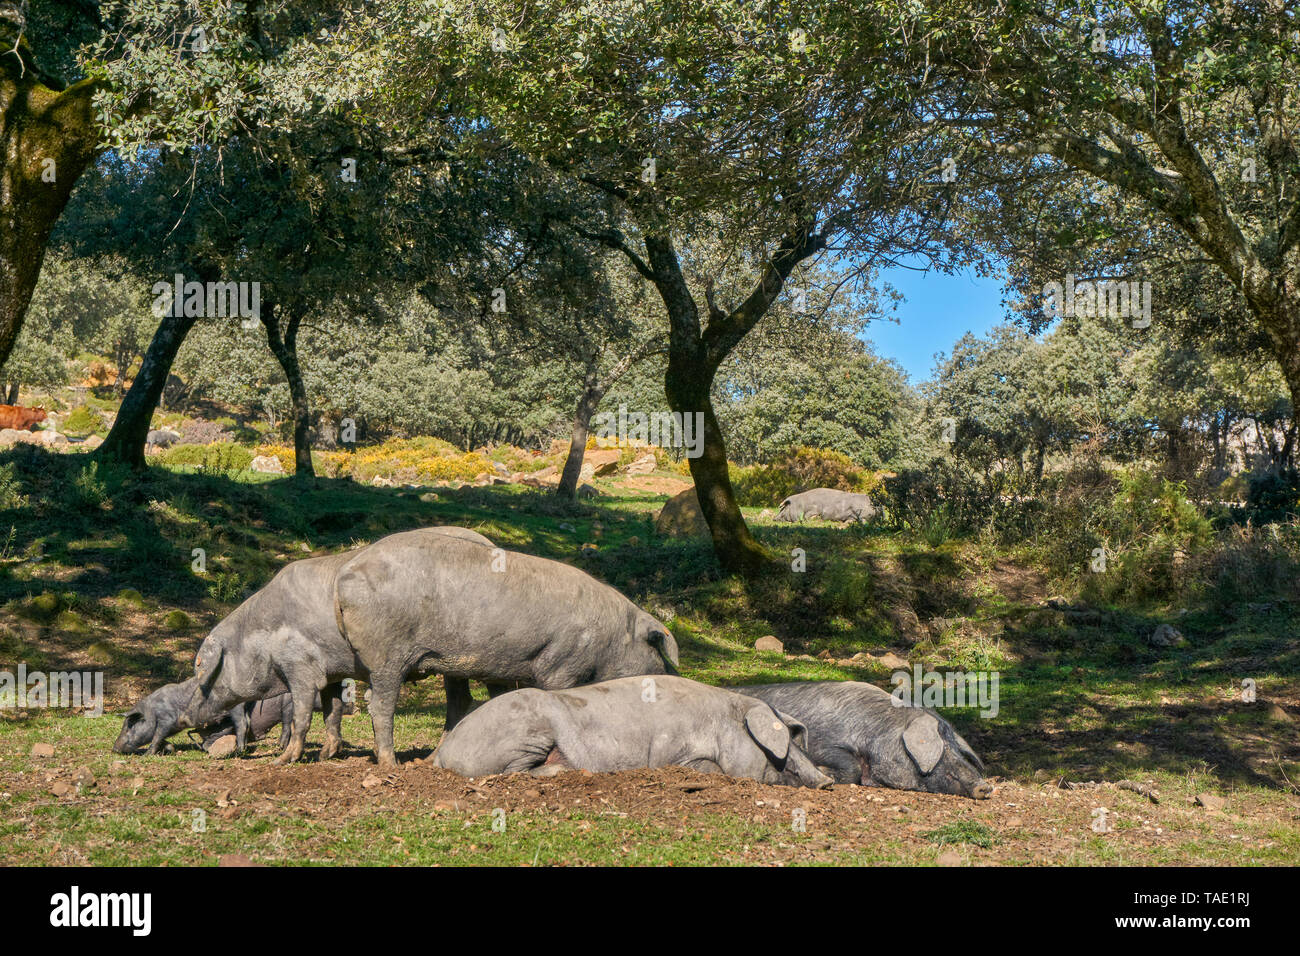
x=258 y=718
x=826 y=503
x=161 y=714
x=166 y=711
x=629 y=723
x=858 y=734
x=416 y=603
x=287 y=637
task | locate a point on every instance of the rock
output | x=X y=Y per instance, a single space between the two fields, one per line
x=267 y=465
x=949 y=858
x=892 y=661
x=501 y=469
x=1210 y=801
x=588 y=548
x=643 y=465
x=83 y=779
x=1166 y=635
x=61 y=788
x=50 y=437
x=92 y=442
x=428 y=497
x=379 y=481
x=1278 y=715
x=587 y=491
x=825 y=655
x=608 y=468
x=769 y=642
x=371 y=781
x=681 y=516
x=909 y=625
x=42 y=750
x=223 y=747
x=586 y=472
x=100 y=653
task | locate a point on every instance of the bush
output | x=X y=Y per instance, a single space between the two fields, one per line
x=1274 y=496
x=217 y=458
x=763 y=486
x=83 y=421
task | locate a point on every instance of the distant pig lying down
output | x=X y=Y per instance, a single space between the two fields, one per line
x=858 y=735
x=628 y=723
x=167 y=711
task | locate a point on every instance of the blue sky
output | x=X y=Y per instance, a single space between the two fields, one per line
x=939 y=309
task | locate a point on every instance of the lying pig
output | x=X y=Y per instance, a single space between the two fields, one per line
x=826 y=503
x=166 y=711
x=628 y=723
x=858 y=735
x=415 y=603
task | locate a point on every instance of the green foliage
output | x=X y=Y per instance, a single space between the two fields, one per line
x=216 y=458
x=82 y=421
x=798 y=470
x=965 y=830
x=11 y=488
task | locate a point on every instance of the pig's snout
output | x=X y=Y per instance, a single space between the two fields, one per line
x=820 y=781
x=982 y=790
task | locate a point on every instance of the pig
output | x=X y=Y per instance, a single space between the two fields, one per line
x=161 y=714
x=628 y=723
x=258 y=717
x=419 y=603
x=826 y=503
x=166 y=711
x=283 y=638
x=859 y=734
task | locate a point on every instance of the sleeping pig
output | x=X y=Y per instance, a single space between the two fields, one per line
x=858 y=734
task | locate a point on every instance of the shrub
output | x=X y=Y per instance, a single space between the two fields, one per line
x=798 y=470
x=217 y=458
x=83 y=421
x=11 y=488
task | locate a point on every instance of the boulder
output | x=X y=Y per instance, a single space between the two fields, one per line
x=1166 y=635
x=267 y=464
x=681 y=516
x=769 y=642
x=643 y=465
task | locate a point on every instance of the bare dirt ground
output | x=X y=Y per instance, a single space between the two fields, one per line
x=1022 y=823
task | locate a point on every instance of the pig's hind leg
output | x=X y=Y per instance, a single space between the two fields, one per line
x=331 y=705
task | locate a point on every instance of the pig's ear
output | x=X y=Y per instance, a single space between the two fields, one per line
x=768 y=731
x=923 y=743
x=798 y=730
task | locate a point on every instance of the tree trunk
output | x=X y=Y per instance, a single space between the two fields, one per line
x=11 y=397
x=47 y=139
x=126 y=439
x=285 y=349
x=687 y=385
x=592 y=393
x=694 y=355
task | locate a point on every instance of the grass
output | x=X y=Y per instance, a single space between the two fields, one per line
x=102 y=570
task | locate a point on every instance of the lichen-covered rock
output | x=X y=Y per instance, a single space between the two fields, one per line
x=681 y=516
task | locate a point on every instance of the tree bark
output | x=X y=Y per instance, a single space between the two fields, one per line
x=693 y=359
x=285 y=348
x=126 y=439
x=592 y=393
x=594 y=390
x=38 y=126
x=11 y=396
